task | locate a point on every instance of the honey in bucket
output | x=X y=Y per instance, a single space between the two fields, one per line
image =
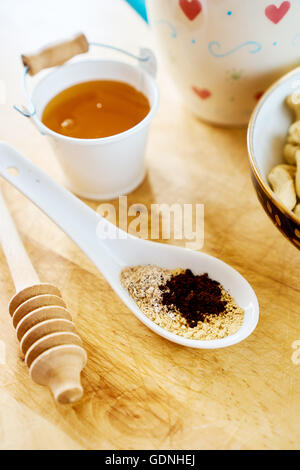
x=95 y=166
x=94 y=109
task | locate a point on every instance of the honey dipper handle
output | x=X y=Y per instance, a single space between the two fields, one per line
x=20 y=266
x=54 y=55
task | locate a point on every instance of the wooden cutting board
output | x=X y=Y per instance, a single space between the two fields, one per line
x=142 y=391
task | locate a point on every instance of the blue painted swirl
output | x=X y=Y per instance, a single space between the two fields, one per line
x=171 y=27
x=214 y=48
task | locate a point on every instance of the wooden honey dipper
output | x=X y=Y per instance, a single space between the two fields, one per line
x=48 y=339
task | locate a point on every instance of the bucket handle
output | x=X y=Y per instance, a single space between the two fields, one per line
x=61 y=53
x=56 y=54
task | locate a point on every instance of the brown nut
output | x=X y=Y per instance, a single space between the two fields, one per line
x=293 y=102
x=289 y=153
x=291 y=169
x=282 y=182
x=297 y=176
x=294 y=133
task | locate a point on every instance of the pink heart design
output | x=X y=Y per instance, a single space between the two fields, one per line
x=191 y=8
x=203 y=93
x=275 y=14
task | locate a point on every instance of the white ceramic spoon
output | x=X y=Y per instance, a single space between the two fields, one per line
x=84 y=226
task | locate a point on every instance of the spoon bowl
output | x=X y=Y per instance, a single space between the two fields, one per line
x=111 y=249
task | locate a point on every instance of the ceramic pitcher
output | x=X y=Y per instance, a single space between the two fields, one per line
x=223 y=54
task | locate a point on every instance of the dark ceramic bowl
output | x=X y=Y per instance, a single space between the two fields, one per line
x=267 y=133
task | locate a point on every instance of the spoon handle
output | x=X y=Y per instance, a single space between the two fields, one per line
x=22 y=271
x=74 y=217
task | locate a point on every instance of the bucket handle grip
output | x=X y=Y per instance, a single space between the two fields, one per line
x=56 y=54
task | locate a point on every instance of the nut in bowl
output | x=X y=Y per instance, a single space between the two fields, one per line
x=273 y=154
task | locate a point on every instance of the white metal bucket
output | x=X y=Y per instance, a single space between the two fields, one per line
x=102 y=168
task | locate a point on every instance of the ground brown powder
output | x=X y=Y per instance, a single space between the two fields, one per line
x=144 y=285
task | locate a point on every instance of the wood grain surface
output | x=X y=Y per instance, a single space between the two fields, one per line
x=142 y=391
